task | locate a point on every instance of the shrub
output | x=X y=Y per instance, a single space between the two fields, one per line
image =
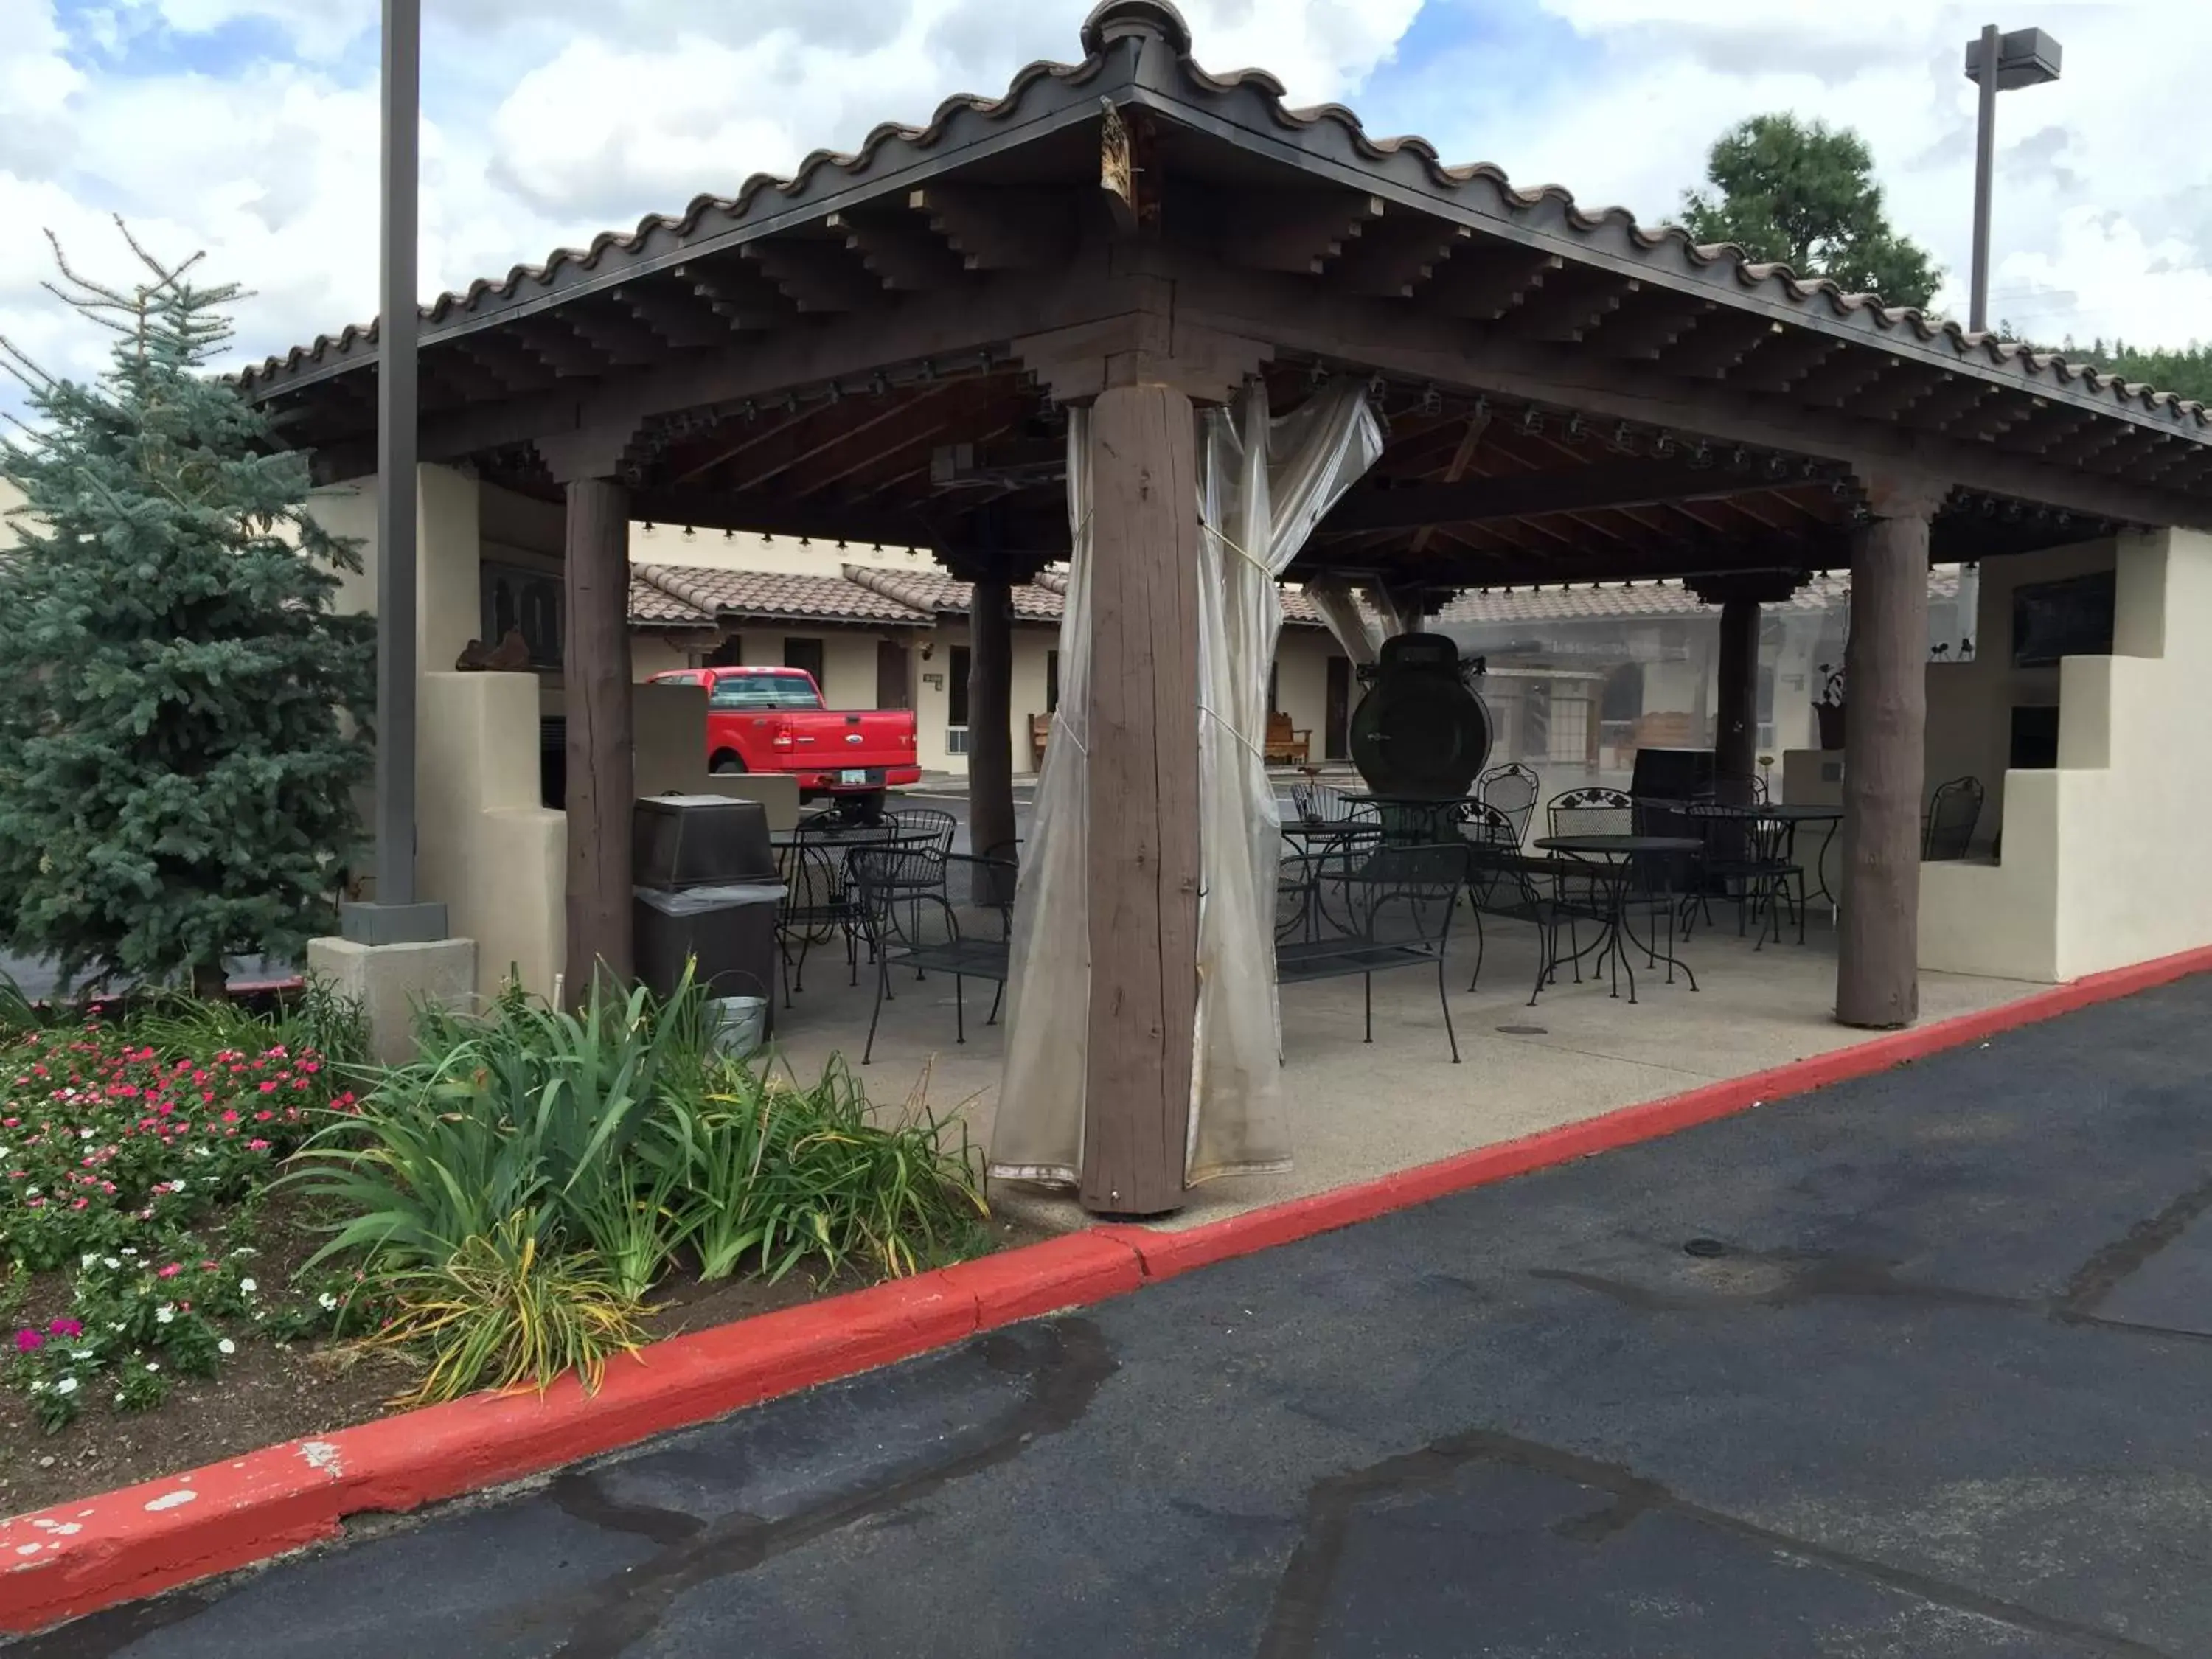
x=497 y=1313
x=614 y=1145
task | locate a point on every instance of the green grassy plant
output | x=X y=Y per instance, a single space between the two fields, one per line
x=500 y=1313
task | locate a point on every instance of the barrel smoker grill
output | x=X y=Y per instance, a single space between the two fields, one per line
x=1420 y=736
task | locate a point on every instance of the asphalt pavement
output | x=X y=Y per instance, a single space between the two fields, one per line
x=1917 y=1366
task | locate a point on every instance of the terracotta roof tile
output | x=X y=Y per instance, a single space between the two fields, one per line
x=775 y=595
x=654 y=606
x=1542 y=208
x=940 y=595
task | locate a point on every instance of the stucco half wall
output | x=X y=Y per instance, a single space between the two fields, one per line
x=2103 y=860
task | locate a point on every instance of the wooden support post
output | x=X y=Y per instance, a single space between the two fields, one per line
x=1736 y=736
x=1143 y=869
x=1885 y=742
x=595 y=671
x=990 y=738
x=1735 y=732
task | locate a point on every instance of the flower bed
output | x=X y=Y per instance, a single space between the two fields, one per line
x=538 y=1192
x=134 y=1177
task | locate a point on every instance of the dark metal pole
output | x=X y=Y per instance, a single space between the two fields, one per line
x=395 y=460
x=1985 y=140
x=396 y=917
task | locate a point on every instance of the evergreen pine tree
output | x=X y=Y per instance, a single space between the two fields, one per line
x=183 y=718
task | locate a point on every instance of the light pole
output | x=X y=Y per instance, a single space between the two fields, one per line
x=395 y=917
x=1999 y=63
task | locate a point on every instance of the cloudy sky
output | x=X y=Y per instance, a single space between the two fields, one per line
x=247 y=127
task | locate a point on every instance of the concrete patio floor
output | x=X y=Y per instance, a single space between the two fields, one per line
x=1360 y=1110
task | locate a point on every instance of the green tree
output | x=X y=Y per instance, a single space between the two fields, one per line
x=1804 y=195
x=182 y=716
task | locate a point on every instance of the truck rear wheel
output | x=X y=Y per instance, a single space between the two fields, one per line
x=727 y=761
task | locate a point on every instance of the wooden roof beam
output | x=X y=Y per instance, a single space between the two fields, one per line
x=1486 y=282
x=673 y=311
x=1001 y=229
x=1395 y=258
x=736 y=294
x=904 y=254
x=1568 y=304
x=1779 y=361
x=1648 y=323
x=1618 y=483
x=1302 y=231
x=1721 y=340
x=816 y=274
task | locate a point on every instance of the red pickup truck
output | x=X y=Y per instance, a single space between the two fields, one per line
x=773 y=719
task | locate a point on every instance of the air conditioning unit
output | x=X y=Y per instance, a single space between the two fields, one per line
x=956 y=740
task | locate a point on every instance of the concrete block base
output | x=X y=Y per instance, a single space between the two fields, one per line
x=391 y=981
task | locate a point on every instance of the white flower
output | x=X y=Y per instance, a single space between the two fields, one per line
x=88 y=1258
x=248 y=1287
x=329 y=1303
x=112 y=1262
x=67 y=1385
x=84 y=1135
x=245 y=1249
x=153 y=1364
x=38 y=1387
x=164 y=1314
x=79 y=1353
x=127 y=1251
x=30 y=1192
x=226 y=1346
x=178 y=1185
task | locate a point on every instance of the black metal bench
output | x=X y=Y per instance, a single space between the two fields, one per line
x=1357 y=912
x=907 y=917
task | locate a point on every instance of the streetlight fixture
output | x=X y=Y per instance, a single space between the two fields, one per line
x=1999 y=63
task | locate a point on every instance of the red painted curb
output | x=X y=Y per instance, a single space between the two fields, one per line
x=77 y=1558
x=1167 y=1253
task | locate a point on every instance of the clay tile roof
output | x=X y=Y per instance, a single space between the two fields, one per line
x=775 y=596
x=654 y=606
x=941 y=595
x=1121 y=65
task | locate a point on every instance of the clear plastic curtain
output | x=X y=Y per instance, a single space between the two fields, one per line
x=1037 y=1132
x=1263 y=486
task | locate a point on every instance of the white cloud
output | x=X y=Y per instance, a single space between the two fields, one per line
x=2092 y=190
x=548 y=121
x=552 y=119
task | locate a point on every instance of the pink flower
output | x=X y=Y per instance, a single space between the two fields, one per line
x=28 y=1340
x=66 y=1327
x=171 y=1270
x=268 y=1088
x=256 y=1146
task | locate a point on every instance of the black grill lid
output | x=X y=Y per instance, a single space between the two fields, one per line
x=1420 y=733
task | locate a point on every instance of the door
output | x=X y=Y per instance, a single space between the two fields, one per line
x=1336 y=740
x=894 y=681
x=807 y=654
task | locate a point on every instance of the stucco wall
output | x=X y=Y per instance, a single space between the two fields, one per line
x=1970 y=704
x=487 y=849
x=449 y=606
x=2102 y=864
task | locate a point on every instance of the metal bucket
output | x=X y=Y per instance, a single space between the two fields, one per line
x=735 y=1025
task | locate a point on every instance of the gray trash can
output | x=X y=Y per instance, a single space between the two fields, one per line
x=707 y=890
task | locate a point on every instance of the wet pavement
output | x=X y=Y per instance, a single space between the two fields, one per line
x=1916 y=1366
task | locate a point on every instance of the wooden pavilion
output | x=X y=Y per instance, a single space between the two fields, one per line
x=883 y=348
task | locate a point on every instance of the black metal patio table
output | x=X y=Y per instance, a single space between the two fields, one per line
x=1611 y=860
x=1787 y=817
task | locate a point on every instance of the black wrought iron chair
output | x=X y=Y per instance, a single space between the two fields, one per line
x=899 y=895
x=818 y=906
x=925 y=829
x=1953 y=813
x=1394 y=911
x=1318 y=803
x=1592 y=809
x=1750 y=860
x=1511 y=788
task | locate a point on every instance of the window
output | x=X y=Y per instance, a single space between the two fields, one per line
x=761 y=691
x=729 y=653
x=804 y=654
x=955 y=688
x=527 y=601
x=1052 y=681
